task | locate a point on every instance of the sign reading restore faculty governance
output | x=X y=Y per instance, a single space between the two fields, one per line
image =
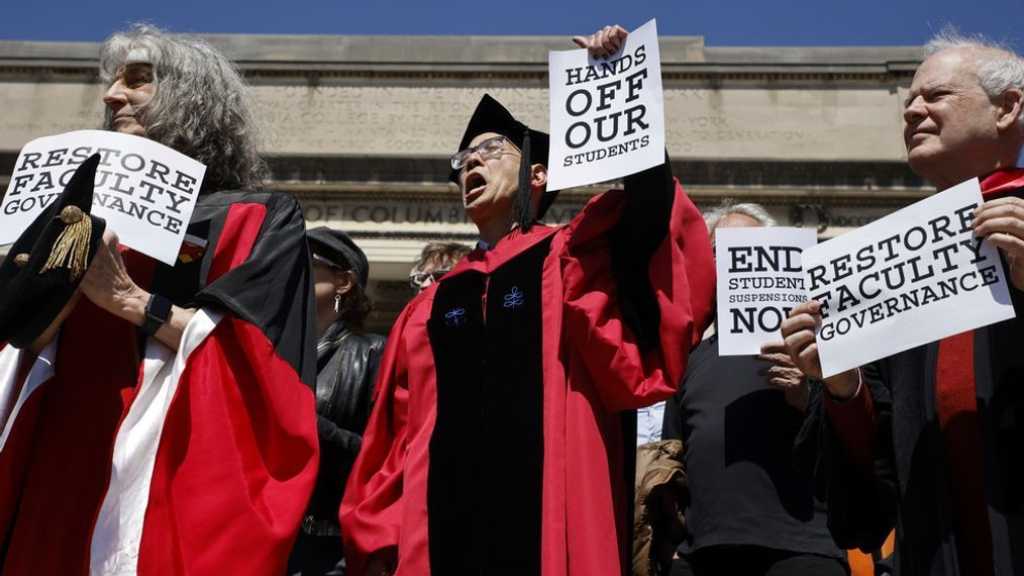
x=760 y=280
x=145 y=191
x=607 y=115
x=913 y=277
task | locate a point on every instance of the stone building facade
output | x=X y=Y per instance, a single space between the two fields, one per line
x=359 y=127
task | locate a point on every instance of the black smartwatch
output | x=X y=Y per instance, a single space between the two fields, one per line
x=158 y=310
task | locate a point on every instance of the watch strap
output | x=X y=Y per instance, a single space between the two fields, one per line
x=158 y=311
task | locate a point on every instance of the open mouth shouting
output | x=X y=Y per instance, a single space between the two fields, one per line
x=474 y=185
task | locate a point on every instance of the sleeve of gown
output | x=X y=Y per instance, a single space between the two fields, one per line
x=21 y=374
x=236 y=457
x=371 y=509
x=672 y=423
x=639 y=286
x=267 y=281
x=858 y=480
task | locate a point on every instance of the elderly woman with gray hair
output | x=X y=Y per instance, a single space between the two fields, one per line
x=164 y=422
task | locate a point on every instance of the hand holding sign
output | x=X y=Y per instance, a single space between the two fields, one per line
x=107 y=282
x=913 y=277
x=603 y=43
x=801 y=343
x=607 y=115
x=1001 y=222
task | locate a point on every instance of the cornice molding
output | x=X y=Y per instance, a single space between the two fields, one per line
x=526 y=76
x=274 y=59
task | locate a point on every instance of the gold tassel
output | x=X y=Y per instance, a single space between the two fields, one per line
x=71 y=250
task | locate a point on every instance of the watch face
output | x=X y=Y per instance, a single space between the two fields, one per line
x=158 y=310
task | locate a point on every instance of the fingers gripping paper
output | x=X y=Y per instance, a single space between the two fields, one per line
x=913 y=277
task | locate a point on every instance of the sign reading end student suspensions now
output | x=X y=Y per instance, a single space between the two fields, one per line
x=759 y=281
x=145 y=191
x=607 y=114
x=913 y=277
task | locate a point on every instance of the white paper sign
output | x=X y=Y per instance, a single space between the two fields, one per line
x=913 y=277
x=607 y=115
x=145 y=191
x=759 y=281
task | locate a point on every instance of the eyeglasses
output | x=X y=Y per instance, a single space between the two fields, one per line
x=318 y=259
x=420 y=280
x=490 y=148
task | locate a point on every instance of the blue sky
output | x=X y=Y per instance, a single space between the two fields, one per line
x=722 y=23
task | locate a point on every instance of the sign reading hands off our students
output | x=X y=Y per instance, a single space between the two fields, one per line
x=759 y=281
x=607 y=115
x=145 y=191
x=913 y=277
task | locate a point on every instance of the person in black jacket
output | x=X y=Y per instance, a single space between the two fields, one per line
x=751 y=510
x=347 y=360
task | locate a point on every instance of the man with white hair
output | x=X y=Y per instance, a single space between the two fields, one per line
x=930 y=440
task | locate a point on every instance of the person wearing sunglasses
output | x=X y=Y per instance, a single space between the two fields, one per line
x=436 y=260
x=346 y=358
x=502 y=437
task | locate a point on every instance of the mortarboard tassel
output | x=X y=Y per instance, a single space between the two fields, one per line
x=525 y=216
x=71 y=250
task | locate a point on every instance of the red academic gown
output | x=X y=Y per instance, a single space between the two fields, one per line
x=118 y=456
x=496 y=442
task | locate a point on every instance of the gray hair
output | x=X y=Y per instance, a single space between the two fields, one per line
x=999 y=68
x=201 y=105
x=749 y=209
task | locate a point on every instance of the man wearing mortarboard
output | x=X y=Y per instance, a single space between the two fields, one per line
x=497 y=443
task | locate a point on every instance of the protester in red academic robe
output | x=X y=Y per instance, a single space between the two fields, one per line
x=930 y=440
x=163 y=422
x=497 y=444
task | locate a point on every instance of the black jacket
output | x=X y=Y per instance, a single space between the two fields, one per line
x=346 y=373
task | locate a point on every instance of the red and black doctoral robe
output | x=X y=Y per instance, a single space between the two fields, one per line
x=933 y=446
x=119 y=456
x=496 y=443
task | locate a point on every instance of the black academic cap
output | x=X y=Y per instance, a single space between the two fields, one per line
x=491 y=116
x=338 y=248
x=46 y=263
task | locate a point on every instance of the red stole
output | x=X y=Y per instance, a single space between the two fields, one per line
x=957 y=408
